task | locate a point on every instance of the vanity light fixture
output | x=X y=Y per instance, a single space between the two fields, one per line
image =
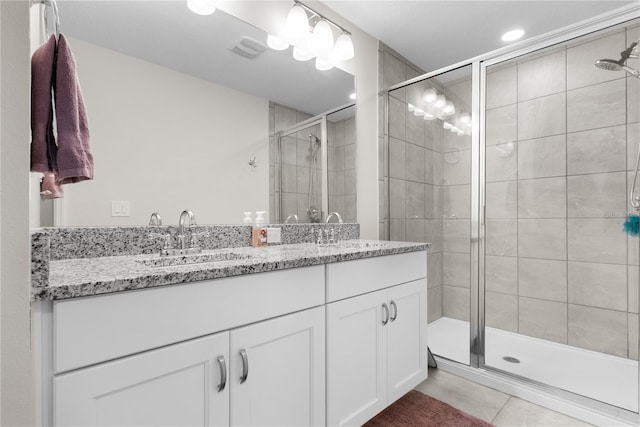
x=440 y=101
x=297 y=23
x=276 y=43
x=323 y=65
x=343 y=48
x=201 y=7
x=318 y=43
x=321 y=38
x=512 y=35
x=300 y=54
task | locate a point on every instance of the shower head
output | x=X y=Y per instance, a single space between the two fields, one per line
x=609 y=64
x=620 y=64
x=314 y=138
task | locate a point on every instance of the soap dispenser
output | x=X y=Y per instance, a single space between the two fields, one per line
x=259 y=231
x=247 y=217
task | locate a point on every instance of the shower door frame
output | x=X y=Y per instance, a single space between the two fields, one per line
x=324 y=164
x=561 y=36
x=477 y=325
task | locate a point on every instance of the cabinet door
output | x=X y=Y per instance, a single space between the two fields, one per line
x=278 y=371
x=356 y=359
x=407 y=341
x=172 y=386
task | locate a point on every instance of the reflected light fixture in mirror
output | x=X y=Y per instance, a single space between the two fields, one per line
x=201 y=7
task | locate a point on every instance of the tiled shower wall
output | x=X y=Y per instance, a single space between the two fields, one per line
x=562 y=137
x=295 y=170
x=341 y=153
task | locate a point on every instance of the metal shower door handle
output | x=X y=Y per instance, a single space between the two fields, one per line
x=393 y=305
x=223 y=373
x=245 y=366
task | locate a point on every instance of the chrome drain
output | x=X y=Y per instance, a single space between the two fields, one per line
x=511 y=359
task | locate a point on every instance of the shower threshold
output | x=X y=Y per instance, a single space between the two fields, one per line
x=599 y=376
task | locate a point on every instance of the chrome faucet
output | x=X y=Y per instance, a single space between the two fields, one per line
x=185 y=215
x=155 y=220
x=332 y=214
x=292 y=216
x=330 y=235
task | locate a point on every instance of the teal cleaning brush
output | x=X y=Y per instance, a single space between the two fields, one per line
x=632 y=225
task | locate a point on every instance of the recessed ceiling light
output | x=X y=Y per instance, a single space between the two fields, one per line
x=512 y=35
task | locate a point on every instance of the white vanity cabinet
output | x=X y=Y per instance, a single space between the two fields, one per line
x=376 y=341
x=112 y=364
x=273 y=371
x=176 y=385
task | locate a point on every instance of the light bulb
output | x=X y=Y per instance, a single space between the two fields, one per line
x=465 y=118
x=300 y=54
x=201 y=7
x=440 y=102
x=276 y=43
x=343 y=49
x=449 y=108
x=323 y=65
x=321 y=38
x=429 y=95
x=297 y=23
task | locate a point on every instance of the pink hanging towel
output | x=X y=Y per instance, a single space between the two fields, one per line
x=74 y=162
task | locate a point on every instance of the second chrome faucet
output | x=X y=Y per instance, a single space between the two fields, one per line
x=186 y=221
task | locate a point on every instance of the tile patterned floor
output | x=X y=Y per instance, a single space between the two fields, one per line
x=490 y=405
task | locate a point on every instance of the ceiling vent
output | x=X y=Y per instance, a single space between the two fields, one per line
x=249 y=48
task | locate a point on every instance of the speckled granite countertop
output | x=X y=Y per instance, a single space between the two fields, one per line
x=71 y=278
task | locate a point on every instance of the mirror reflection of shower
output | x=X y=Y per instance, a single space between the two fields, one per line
x=621 y=64
x=313 y=212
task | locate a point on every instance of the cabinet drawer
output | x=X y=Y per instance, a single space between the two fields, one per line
x=350 y=278
x=95 y=329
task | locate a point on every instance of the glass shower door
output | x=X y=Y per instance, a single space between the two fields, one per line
x=428 y=180
x=560 y=274
x=301 y=172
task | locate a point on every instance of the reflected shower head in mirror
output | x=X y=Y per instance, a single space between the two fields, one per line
x=620 y=64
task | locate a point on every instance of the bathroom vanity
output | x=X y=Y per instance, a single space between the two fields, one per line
x=287 y=335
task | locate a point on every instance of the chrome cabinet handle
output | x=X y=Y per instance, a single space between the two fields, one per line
x=386 y=315
x=393 y=305
x=245 y=366
x=223 y=373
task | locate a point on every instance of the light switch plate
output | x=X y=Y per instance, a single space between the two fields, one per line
x=120 y=208
x=274 y=235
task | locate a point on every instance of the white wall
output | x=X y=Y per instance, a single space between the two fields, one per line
x=166 y=141
x=270 y=17
x=16 y=369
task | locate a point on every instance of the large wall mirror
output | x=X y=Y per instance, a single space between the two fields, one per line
x=180 y=117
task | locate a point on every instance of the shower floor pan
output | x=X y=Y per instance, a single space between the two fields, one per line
x=609 y=379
